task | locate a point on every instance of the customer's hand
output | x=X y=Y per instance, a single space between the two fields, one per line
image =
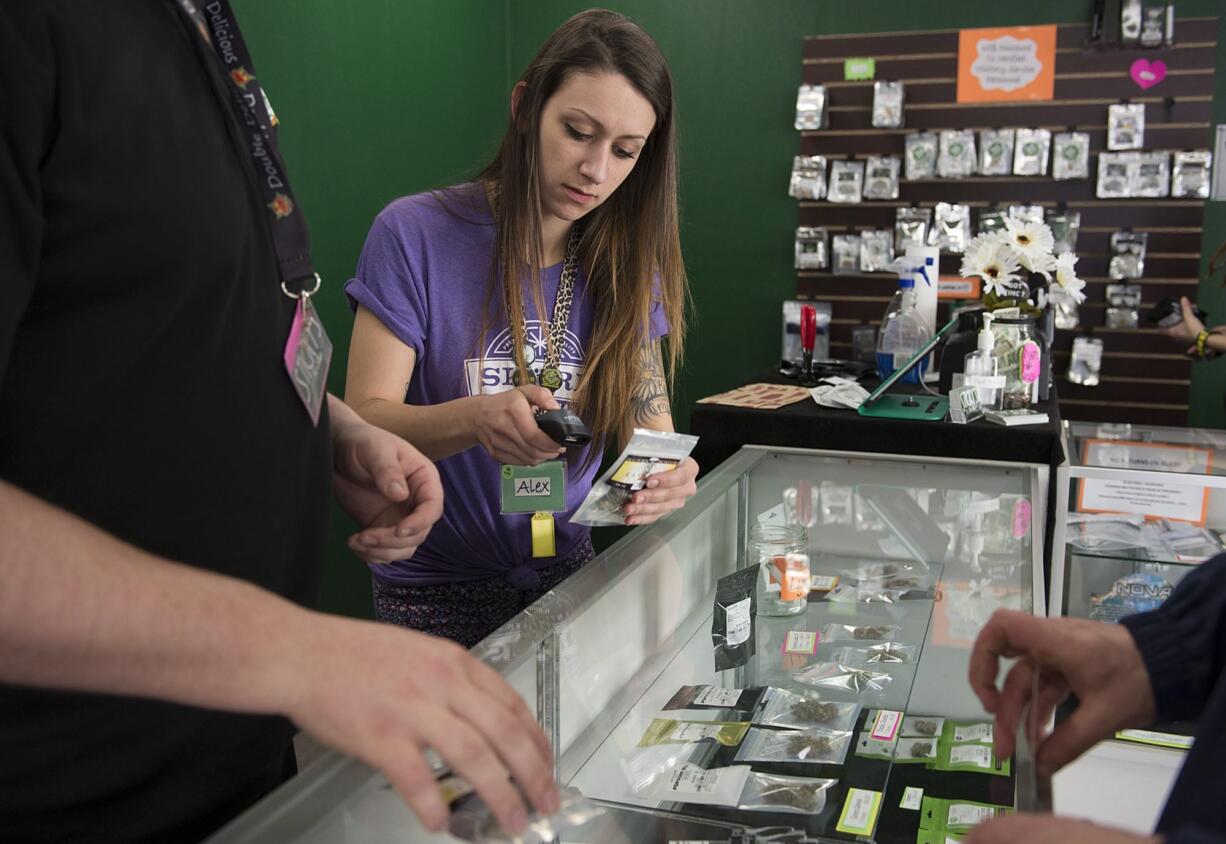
x=1186 y=331
x=384 y=694
x=663 y=493
x=385 y=485
x=504 y=425
x=1098 y=662
x=1047 y=829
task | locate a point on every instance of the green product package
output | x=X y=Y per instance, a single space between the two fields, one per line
x=673 y=731
x=944 y=819
x=967 y=746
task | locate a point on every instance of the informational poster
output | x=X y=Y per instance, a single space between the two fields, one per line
x=1007 y=64
x=1153 y=498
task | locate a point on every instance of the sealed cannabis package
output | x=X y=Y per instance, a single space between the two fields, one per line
x=811 y=112
x=472 y=820
x=1086 y=361
x=1071 y=156
x=713 y=697
x=814 y=746
x=860 y=632
x=1125 y=126
x=674 y=731
x=881 y=177
x=1127 y=254
x=846 y=181
x=921 y=161
x=1123 y=302
x=833 y=675
x=811 y=248
x=845 y=252
x=887 y=105
x=1030 y=151
x=1150 y=174
x=1153 y=26
x=808 y=177
x=995 y=152
x=648 y=453
x=783 y=708
x=991 y=220
x=922 y=725
x=974 y=731
x=669 y=773
x=950 y=820
x=956 y=158
x=1115 y=174
x=876 y=250
x=778 y=793
x=849 y=593
x=1026 y=213
x=888 y=653
x=972 y=756
x=1065 y=226
x=951 y=227
x=911 y=228
x=1190 y=174
x=732 y=623
x=915 y=749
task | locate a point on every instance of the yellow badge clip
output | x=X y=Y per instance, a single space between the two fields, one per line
x=543 y=544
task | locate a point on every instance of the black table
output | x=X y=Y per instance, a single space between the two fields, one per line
x=723 y=429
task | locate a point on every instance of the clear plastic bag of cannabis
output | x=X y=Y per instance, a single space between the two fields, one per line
x=860 y=632
x=783 y=708
x=888 y=653
x=1065 y=226
x=777 y=793
x=915 y=749
x=813 y=746
x=808 y=177
x=845 y=250
x=834 y=675
x=472 y=820
x=922 y=725
x=951 y=227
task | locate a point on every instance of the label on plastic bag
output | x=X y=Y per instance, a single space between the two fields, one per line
x=911 y=798
x=716 y=696
x=860 y=810
x=712 y=787
x=966 y=814
x=885 y=725
x=822 y=582
x=971 y=754
x=738 y=622
x=800 y=642
x=973 y=732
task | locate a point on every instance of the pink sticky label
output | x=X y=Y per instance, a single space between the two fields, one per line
x=1021 y=518
x=1029 y=362
x=885 y=726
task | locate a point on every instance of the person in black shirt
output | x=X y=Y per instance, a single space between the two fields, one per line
x=146 y=416
x=1167 y=664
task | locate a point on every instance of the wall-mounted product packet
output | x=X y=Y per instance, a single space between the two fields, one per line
x=778 y=793
x=675 y=731
x=991 y=220
x=1027 y=213
x=808 y=177
x=881 y=177
x=876 y=250
x=648 y=453
x=811 y=112
x=846 y=181
x=1030 y=152
x=1123 y=305
x=1150 y=174
x=996 y=152
x=1190 y=174
x=811 y=248
x=1115 y=175
x=1071 y=156
x=814 y=746
x=845 y=251
x=1065 y=226
x=888 y=105
x=1125 y=126
x=783 y=708
x=1086 y=361
x=833 y=675
x=951 y=227
x=921 y=159
x=733 y=620
x=1153 y=26
x=957 y=157
x=1127 y=254
x=911 y=228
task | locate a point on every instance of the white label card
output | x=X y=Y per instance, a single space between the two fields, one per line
x=739 y=622
x=912 y=798
x=695 y=732
x=715 y=696
x=971 y=754
x=800 y=642
x=964 y=814
x=973 y=732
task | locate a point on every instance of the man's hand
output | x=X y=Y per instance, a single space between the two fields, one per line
x=664 y=493
x=384 y=694
x=1047 y=829
x=385 y=485
x=1098 y=662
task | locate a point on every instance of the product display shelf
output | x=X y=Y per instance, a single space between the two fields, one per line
x=598 y=657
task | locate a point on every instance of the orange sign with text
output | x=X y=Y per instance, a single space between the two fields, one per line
x=1005 y=64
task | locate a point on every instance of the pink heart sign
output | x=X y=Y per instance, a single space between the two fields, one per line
x=1147 y=74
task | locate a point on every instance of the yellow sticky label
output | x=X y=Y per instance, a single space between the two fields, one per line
x=859 y=816
x=542 y=535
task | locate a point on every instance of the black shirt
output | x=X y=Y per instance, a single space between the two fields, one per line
x=142 y=387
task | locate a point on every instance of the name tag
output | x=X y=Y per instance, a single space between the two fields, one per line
x=534 y=489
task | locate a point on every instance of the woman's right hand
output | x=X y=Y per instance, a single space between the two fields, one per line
x=505 y=426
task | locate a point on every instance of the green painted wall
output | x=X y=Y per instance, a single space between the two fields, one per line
x=380 y=98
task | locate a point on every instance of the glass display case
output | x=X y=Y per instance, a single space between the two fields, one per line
x=906 y=560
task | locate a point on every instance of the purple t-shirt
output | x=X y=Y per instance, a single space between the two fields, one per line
x=424 y=272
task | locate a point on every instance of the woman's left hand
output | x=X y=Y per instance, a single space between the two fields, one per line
x=664 y=493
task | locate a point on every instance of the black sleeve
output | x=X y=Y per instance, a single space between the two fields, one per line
x=27 y=89
x=1183 y=642
x=1194 y=835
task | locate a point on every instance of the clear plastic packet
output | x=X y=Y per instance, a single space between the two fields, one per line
x=956 y=158
x=1093 y=532
x=1030 y=151
x=951 y=227
x=811 y=112
x=848 y=593
x=1150 y=175
x=1125 y=126
x=814 y=746
x=845 y=254
x=783 y=708
x=1127 y=255
x=1027 y=213
x=877 y=572
x=713 y=697
x=991 y=220
x=648 y=453
x=925 y=726
x=833 y=675
x=911 y=228
x=1190 y=174
x=812 y=252
x=915 y=749
x=1071 y=156
x=733 y=618
x=808 y=177
x=846 y=181
x=876 y=250
x=1064 y=308
x=888 y=653
x=996 y=152
x=888 y=100
x=1114 y=175
x=671 y=774
x=677 y=731
x=778 y=793
x=860 y=632
x=921 y=160
x=1086 y=361
x=472 y=820
x=881 y=176
x=1065 y=226
x=1123 y=304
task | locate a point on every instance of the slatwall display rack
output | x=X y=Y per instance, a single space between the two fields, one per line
x=1145 y=377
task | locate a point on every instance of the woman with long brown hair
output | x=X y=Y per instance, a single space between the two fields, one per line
x=550 y=280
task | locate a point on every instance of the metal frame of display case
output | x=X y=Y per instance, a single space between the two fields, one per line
x=530 y=651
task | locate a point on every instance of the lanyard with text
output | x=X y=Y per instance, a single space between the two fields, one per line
x=308 y=352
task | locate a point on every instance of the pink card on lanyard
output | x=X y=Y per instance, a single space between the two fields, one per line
x=308 y=353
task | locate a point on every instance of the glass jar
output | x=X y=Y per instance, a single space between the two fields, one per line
x=1018 y=358
x=781 y=552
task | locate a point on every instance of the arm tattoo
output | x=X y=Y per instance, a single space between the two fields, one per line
x=649 y=398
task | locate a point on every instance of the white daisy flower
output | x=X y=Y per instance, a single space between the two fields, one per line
x=994 y=261
x=1067 y=278
x=1033 y=243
